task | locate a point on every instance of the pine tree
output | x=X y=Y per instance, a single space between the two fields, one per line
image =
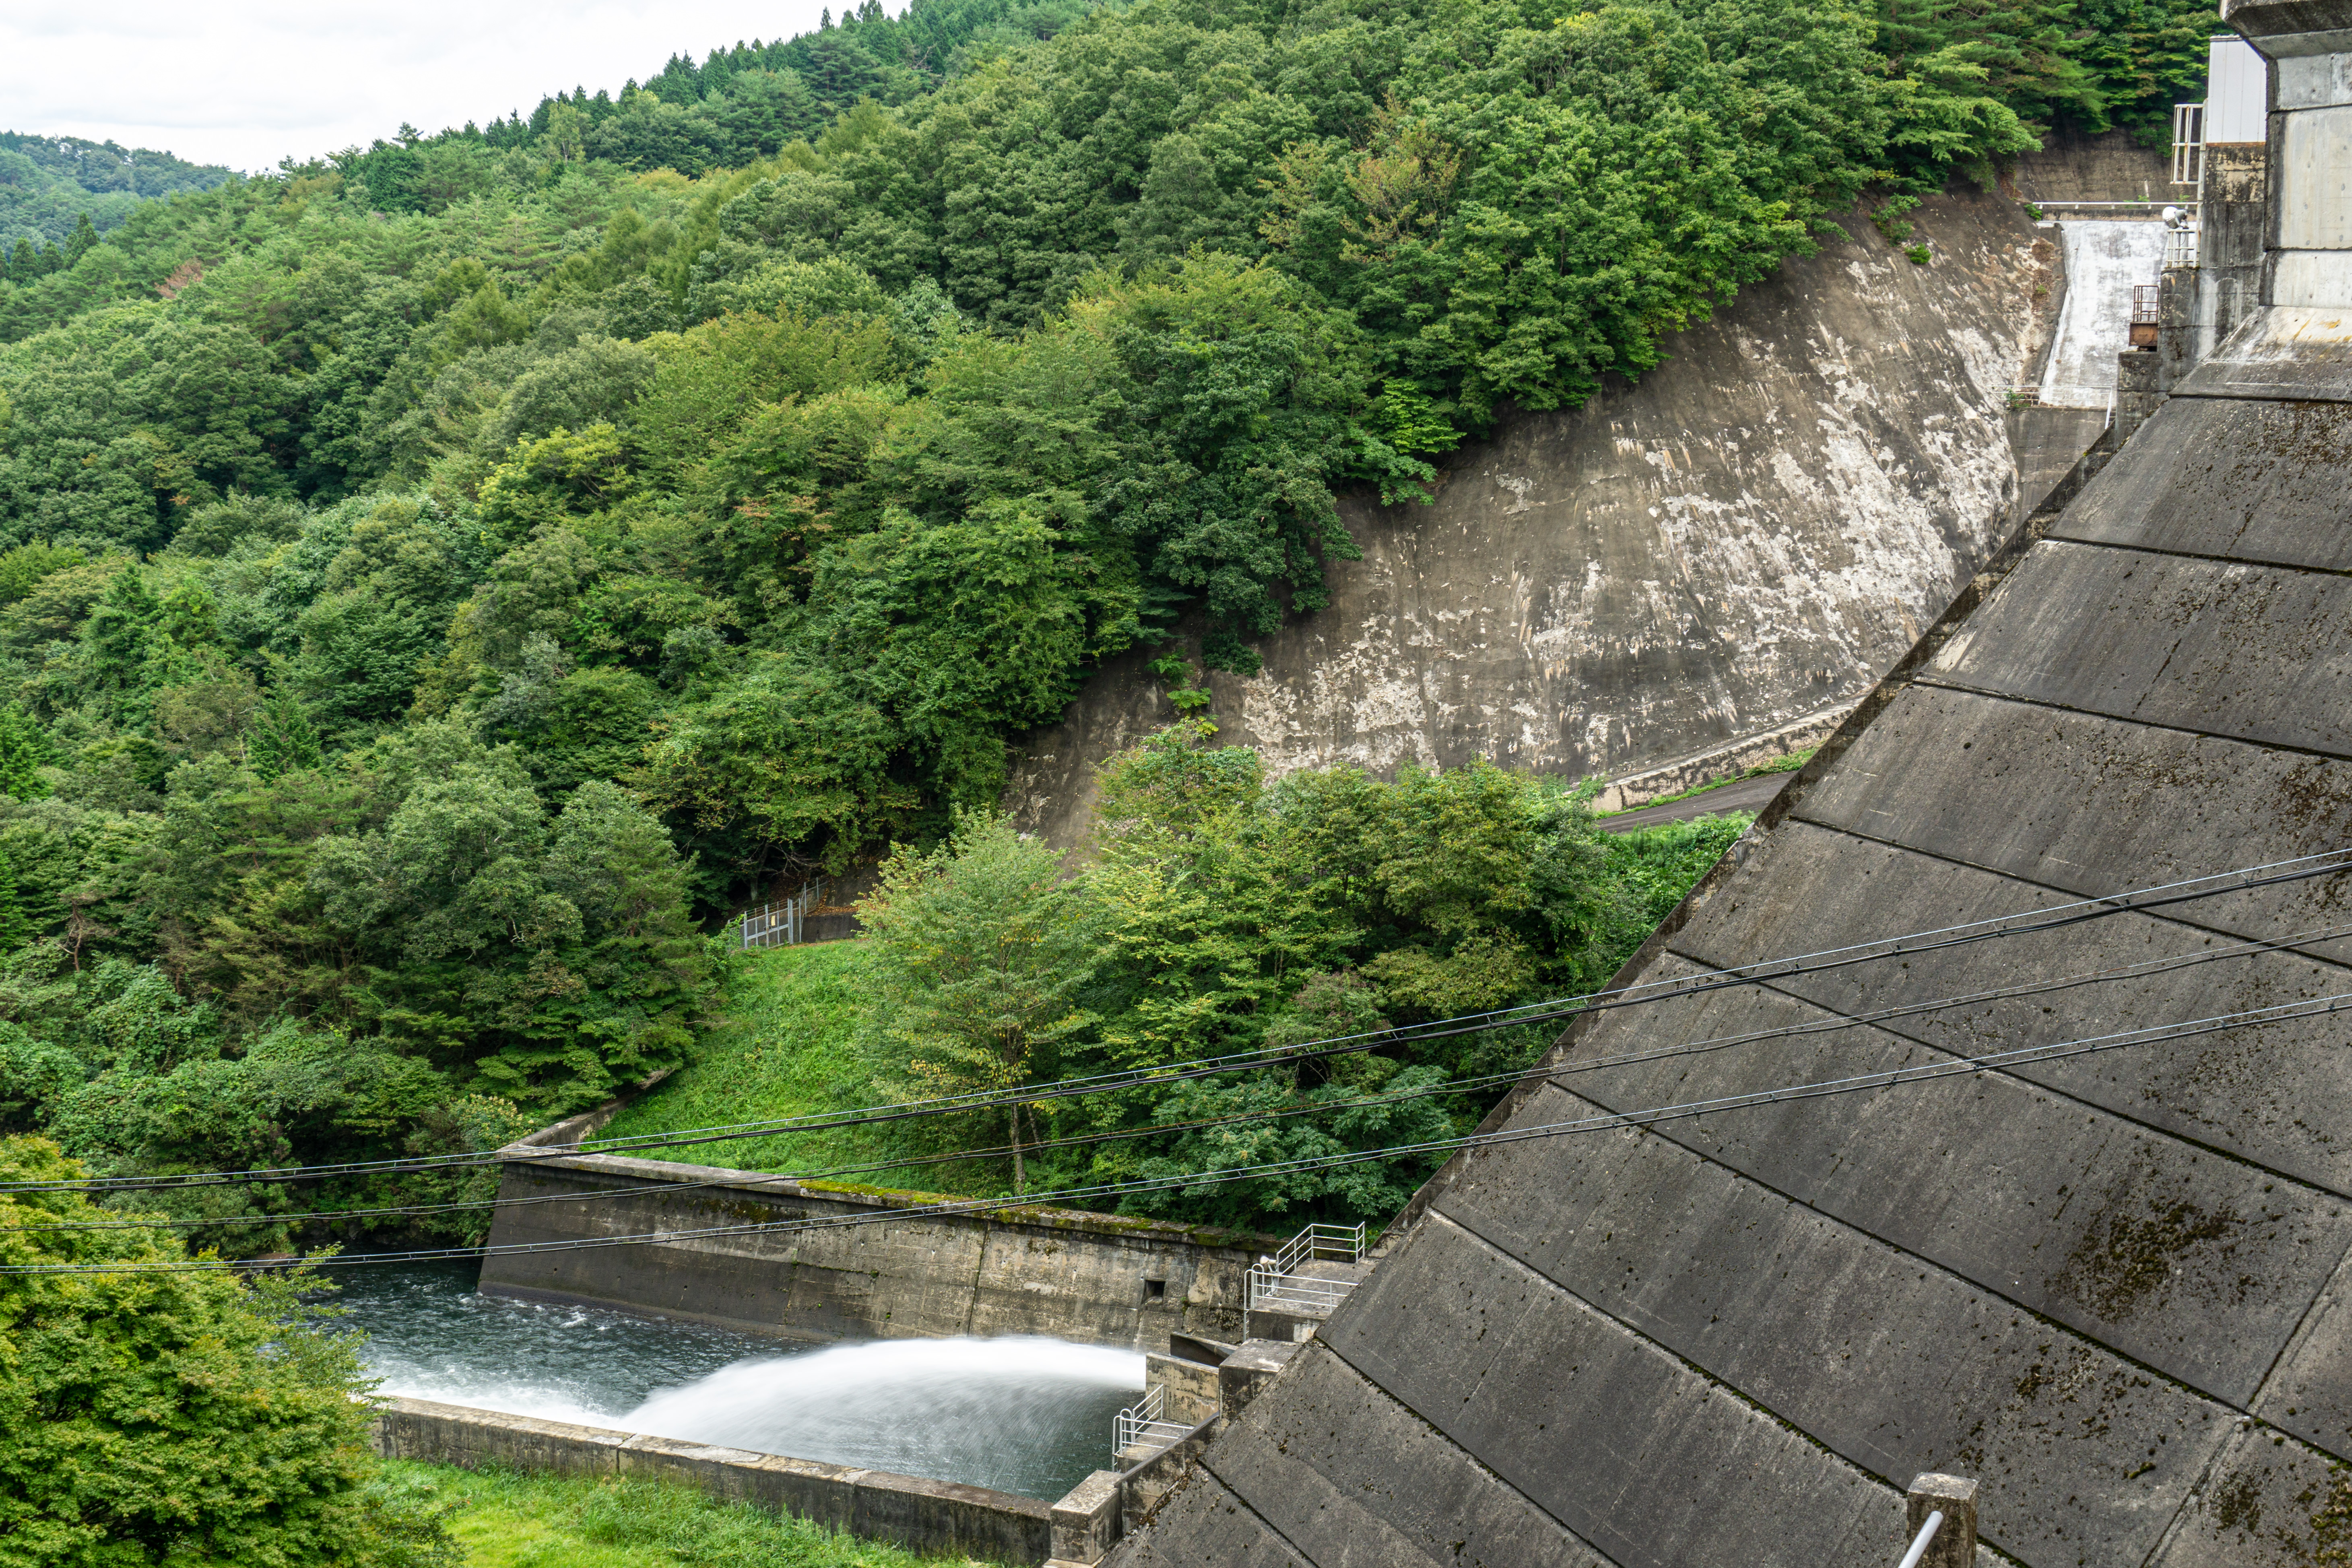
x=83 y=240
x=282 y=740
x=24 y=749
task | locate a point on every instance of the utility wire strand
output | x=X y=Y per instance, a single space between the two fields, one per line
x=1615 y=1121
x=1910 y=945
x=2141 y=969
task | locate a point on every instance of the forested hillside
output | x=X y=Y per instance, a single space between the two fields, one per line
x=57 y=193
x=440 y=577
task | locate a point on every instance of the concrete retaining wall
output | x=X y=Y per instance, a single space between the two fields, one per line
x=926 y=1515
x=1010 y=1270
x=1748 y=537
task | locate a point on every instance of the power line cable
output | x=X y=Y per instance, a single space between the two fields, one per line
x=2139 y=969
x=1820 y=962
x=1958 y=1067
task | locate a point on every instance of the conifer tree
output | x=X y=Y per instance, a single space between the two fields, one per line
x=282 y=740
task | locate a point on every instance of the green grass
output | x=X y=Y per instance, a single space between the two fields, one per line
x=787 y=1047
x=501 y=1520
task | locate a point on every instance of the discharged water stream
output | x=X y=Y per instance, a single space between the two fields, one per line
x=1029 y=1416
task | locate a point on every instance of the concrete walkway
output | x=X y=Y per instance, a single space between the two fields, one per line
x=1741 y=795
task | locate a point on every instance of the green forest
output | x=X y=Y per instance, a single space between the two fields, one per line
x=57 y=193
x=439 y=581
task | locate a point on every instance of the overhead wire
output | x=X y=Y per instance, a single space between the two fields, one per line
x=2138 y=969
x=1909 y=945
x=1954 y=1067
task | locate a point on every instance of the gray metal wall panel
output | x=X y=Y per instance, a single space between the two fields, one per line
x=2253 y=482
x=1352 y=1478
x=1896 y=1365
x=1637 y=1452
x=2201 y=1267
x=2257 y=653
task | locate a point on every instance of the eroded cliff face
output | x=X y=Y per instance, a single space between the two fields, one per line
x=1748 y=536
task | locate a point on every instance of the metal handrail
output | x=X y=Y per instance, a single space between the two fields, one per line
x=782 y=921
x=1269 y=1288
x=1146 y=1421
x=1919 y=1542
x=1277 y=1278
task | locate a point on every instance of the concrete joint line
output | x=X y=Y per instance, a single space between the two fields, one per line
x=1895 y=1248
x=2162 y=913
x=1946 y=683
x=2264 y=566
x=2225 y=1155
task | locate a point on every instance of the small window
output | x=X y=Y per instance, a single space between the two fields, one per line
x=1154 y=1289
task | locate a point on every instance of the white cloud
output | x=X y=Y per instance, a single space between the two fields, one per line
x=247 y=84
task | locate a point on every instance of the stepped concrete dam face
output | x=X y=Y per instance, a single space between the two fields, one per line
x=2053 y=1193
x=1739 y=544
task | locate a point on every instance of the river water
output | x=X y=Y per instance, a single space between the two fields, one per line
x=1027 y=1416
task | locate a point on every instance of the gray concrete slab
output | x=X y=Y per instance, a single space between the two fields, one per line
x=2197 y=1266
x=1896 y=1365
x=2310 y=1393
x=2268 y=1502
x=2280 y=352
x=1353 y=1478
x=2252 y=482
x=2258 y=653
x=2272 y=1093
x=1627 y=1444
x=2092 y=804
x=1200 y=1524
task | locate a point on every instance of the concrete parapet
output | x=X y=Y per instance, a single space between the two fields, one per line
x=1192 y=1386
x=912 y=1511
x=1142 y=1486
x=1087 y=1522
x=1248 y=1370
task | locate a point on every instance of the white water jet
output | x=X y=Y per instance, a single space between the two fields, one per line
x=1030 y=1415
x=2104 y=261
x=916 y=1405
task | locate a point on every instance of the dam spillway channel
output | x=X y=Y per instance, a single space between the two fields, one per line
x=1027 y=1414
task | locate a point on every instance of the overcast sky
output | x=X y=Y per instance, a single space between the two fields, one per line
x=245 y=83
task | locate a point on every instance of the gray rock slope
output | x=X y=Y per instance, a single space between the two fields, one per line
x=2114 y=1285
x=1751 y=534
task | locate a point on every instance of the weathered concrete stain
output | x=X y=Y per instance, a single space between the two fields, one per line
x=1748 y=536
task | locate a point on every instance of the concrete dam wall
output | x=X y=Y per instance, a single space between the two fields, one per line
x=1011 y=1269
x=1741 y=543
x=2100 y=1261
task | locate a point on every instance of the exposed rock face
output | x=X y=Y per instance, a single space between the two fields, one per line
x=1749 y=535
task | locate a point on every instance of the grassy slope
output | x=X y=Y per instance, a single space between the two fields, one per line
x=788 y=1047
x=505 y=1520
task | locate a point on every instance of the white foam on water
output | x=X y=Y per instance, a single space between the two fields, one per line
x=2104 y=261
x=898 y=1404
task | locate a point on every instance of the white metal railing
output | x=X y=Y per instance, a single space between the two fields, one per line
x=780 y=923
x=2187 y=143
x=1146 y=1422
x=1920 y=1542
x=2179 y=248
x=1277 y=1281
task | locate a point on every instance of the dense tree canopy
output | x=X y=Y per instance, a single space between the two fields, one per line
x=438 y=579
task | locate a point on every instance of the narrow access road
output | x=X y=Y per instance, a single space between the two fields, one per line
x=1741 y=795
